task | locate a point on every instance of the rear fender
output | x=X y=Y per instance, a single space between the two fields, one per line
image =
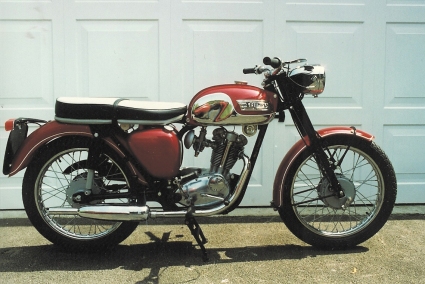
x=53 y=130
x=301 y=146
x=42 y=136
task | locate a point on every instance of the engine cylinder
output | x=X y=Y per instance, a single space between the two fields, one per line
x=216 y=156
x=232 y=157
x=226 y=150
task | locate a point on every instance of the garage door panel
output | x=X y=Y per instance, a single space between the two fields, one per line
x=407 y=11
x=26 y=50
x=114 y=48
x=341 y=48
x=123 y=10
x=405 y=142
x=224 y=10
x=24 y=10
x=403 y=84
x=404 y=146
x=402 y=116
x=118 y=58
x=225 y=37
x=218 y=50
x=410 y=193
x=318 y=11
x=11 y=198
x=10 y=187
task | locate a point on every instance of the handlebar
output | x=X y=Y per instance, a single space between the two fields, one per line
x=256 y=70
x=248 y=70
x=275 y=63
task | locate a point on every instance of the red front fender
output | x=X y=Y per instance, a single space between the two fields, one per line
x=297 y=149
x=40 y=137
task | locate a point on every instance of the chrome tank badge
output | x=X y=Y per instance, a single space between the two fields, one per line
x=254 y=105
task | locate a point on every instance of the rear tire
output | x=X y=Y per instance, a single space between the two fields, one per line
x=58 y=172
x=367 y=178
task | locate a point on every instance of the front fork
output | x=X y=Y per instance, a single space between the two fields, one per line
x=306 y=129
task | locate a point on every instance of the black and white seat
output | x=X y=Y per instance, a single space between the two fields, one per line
x=108 y=110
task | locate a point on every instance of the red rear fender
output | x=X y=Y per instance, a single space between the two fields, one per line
x=297 y=149
x=40 y=137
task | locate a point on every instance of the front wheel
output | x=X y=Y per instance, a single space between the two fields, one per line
x=313 y=213
x=56 y=175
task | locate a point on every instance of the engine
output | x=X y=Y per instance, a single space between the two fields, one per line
x=206 y=188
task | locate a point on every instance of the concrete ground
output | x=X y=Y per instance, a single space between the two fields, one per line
x=242 y=249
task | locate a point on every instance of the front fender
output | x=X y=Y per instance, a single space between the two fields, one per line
x=40 y=137
x=298 y=148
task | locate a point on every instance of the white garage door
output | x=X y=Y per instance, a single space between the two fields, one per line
x=373 y=52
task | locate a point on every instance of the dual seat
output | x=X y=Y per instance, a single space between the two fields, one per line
x=79 y=110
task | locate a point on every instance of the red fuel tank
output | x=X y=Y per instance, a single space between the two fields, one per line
x=158 y=150
x=232 y=104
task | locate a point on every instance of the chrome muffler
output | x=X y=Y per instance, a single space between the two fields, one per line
x=116 y=213
x=110 y=213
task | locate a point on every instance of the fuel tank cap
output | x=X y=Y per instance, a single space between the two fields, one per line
x=241 y=82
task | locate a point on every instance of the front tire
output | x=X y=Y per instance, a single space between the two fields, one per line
x=368 y=180
x=57 y=173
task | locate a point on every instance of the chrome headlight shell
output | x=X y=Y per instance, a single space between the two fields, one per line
x=310 y=79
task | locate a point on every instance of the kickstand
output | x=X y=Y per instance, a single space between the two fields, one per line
x=197 y=233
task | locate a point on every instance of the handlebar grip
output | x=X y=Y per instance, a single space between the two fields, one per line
x=248 y=70
x=275 y=62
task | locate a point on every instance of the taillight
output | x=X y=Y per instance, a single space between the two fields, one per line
x=8 y=125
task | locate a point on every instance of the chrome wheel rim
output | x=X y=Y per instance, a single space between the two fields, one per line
x=52 y=186
x=313 y=210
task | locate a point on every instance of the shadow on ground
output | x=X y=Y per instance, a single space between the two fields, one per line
x=156 y=254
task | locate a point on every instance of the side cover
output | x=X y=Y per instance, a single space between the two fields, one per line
x=297 y=149
x=158 y=150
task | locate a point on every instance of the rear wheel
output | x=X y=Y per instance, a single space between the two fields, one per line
x=56 y=175
x=315 y=215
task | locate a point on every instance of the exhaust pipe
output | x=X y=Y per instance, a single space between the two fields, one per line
x=115 y=213
x=109 y=213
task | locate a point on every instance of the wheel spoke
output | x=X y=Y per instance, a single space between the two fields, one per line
x=313 y=204
x=55 y=184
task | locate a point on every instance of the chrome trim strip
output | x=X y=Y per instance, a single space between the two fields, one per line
x=152 y=122
x=83 y=121
x=129 y=121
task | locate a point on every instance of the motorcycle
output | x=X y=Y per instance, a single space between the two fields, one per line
x=92 y=172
